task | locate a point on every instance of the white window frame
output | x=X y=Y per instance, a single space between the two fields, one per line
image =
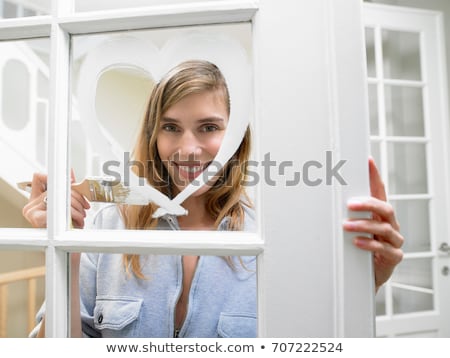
x=347 y=272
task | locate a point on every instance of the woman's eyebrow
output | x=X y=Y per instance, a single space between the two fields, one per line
x=201 y=121
x=211 y=119
x=168 y=119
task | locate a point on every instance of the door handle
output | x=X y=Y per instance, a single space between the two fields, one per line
x=445 y=248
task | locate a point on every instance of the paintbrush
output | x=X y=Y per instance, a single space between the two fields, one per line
x=109 y=190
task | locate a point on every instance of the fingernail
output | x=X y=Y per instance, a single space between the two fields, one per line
x=354 y=201
x=349 y=225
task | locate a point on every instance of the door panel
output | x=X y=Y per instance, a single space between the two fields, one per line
x=405 y=67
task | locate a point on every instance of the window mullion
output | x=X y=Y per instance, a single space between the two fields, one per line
x=58 y=172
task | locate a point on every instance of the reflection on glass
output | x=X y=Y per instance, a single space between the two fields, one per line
x=407 y=168
x=373 y=110
x=24 y=100
x=401 y=55
x=370 y=52
x=21 y=291
x=414 y=217
x=13 y=8
x=404 y=111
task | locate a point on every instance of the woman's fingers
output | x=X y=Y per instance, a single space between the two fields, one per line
x=382 y=250
x=35 y=211
x=386 y=241
x=38 y=185
x=377 y=188
x=79 y=202
x=380 y=208
x=79 y=205
x=386 y=257
x=383 y=231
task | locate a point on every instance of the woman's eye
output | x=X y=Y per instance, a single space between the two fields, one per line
x=169 y=128
x=209 y=128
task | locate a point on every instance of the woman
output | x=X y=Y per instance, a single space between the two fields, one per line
x=188 y=296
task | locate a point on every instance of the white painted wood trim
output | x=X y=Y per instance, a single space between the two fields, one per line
x=354 y=269
x=25 y=28
x=312 y=96
x=388 y=327
x=162 y=242
x=56 y=280
x=201 y=13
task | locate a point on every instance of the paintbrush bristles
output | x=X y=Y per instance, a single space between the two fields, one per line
x=107 y=191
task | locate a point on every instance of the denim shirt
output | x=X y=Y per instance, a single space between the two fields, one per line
x=222 y=299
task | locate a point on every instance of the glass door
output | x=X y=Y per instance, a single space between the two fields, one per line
x=408 y=127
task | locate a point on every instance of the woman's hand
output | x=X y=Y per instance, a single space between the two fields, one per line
x=383 y=226
x=35 y=211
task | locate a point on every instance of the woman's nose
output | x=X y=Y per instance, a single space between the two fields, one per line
x=189 y=146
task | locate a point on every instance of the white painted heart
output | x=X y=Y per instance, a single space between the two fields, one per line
x=131 y=52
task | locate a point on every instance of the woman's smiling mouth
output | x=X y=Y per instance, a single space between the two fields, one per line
x=190 y=171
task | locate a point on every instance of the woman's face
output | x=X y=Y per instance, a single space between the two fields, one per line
x=190 y=134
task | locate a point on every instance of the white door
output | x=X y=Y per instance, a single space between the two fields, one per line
x=409 y=136
x=308 y=100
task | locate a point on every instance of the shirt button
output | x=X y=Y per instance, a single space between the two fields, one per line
x=100 y=319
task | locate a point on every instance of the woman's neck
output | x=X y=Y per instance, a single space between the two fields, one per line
x=198 y=218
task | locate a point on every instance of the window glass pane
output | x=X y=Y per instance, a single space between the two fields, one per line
x=113 y=77
x=24 y=77
x=375 y=152
x=370 y=52
x=404 y=111
x=373 y=110
x=407 y=301
x=415 y=224
x=13 y=9
x=407 y=168
x=401 y=55
x=94 y=5
x=22 y=290
x=16 y=84
x=416 y=273
x=157 y=295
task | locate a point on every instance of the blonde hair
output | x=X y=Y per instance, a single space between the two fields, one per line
x=225 y=197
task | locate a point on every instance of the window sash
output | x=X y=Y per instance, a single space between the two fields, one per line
x=59 y=239
x=341 y=90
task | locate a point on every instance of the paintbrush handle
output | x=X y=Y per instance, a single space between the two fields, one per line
x=82 y=187
x=25 y=186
